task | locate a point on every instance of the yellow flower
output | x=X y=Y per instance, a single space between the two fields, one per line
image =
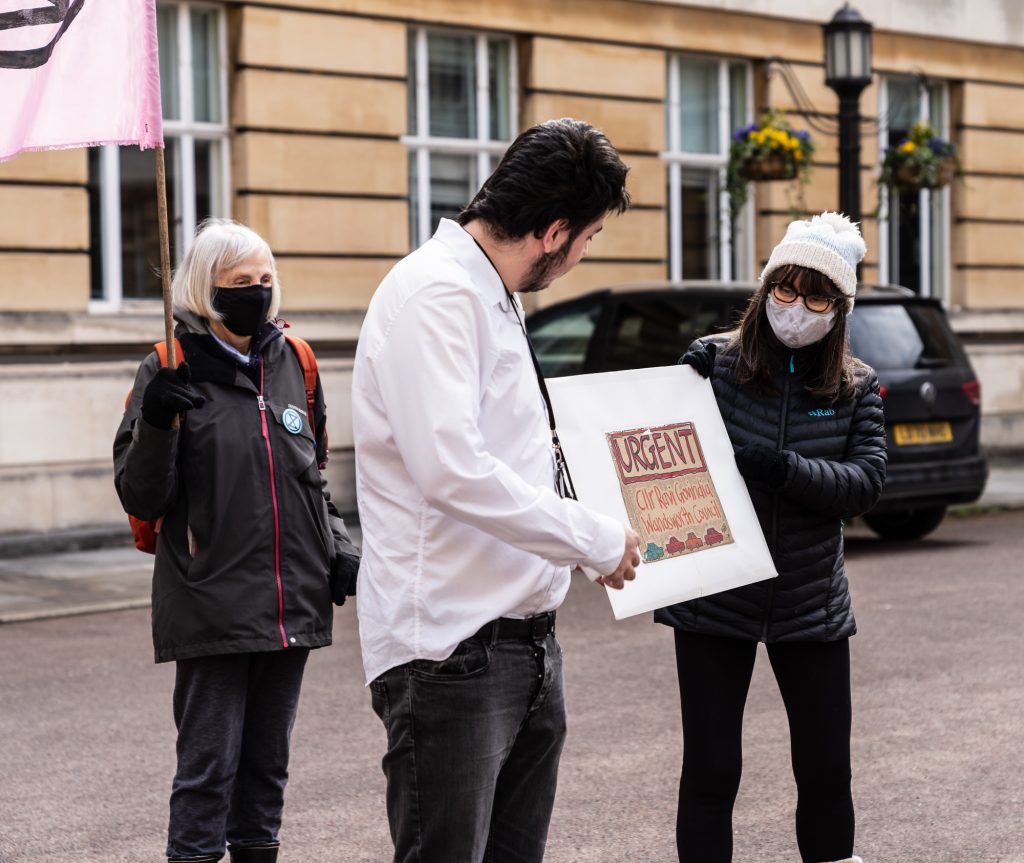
x=908 y=147
x=798 y=156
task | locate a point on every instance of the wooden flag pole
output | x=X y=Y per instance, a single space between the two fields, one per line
x=165 y=255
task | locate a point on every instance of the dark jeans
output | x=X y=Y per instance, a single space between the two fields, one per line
x=473 y=747
x=234 y=715
x=814 y=679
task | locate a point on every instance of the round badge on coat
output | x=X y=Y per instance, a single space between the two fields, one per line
x=292 y=420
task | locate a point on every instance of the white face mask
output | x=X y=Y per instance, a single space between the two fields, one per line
x=795 y=326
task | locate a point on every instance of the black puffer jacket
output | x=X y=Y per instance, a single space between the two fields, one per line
x=835 y=468
x=249 y=534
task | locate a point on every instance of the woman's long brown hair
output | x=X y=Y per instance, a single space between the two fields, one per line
x=834 y=370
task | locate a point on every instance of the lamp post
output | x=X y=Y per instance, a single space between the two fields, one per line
x=848 y=72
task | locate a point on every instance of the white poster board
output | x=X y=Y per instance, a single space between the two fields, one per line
x=648 y=447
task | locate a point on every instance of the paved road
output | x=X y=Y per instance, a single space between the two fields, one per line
x=87 y=751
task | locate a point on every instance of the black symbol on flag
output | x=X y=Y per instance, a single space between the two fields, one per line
x=61 y=12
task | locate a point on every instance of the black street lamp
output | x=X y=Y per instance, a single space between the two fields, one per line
x=848 y=72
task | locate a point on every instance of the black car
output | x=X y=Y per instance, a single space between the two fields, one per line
x=932 y=396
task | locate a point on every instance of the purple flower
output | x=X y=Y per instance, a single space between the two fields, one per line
x=803 y=135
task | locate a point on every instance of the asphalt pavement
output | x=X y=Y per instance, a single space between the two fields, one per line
x=87 y=738
x=69 y=582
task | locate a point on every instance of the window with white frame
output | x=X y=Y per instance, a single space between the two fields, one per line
x=707 y=100
x=462 y=114
x=122 y=180
x=913 y=237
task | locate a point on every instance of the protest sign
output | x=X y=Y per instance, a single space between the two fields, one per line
x=648 y=447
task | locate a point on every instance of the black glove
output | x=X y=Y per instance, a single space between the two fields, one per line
x=761 y=464
x=701 y=358
x=168 y=395
x=344 y=570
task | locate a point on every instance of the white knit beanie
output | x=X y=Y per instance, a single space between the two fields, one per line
x=829 y=243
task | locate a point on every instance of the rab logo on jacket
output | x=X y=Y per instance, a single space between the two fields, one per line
x=821 y=412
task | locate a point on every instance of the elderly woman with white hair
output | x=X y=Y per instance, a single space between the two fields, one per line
x=250 y=550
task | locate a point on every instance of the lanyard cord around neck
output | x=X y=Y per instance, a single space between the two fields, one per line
x=563 y=479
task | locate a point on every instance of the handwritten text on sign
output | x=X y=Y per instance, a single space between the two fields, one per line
x=668 y=491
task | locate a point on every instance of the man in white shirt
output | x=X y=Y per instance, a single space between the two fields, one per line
x=467 y=547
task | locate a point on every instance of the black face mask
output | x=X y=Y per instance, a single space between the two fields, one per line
x=244 y=310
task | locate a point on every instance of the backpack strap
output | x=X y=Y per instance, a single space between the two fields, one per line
x=144 y=531
x=307 y=359
x=161 y=351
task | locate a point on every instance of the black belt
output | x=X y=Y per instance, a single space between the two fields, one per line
x=509 y=628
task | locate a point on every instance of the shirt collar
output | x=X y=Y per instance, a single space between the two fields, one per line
x=269 y=332
x=474 y=259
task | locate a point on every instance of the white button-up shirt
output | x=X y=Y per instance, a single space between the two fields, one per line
x=454 y=467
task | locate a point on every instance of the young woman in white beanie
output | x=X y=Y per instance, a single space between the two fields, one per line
x=805 y=420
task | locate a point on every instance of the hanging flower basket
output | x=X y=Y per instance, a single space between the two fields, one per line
x=767 y=150
x=767 y=167
x=921 y=161
x=911 y=177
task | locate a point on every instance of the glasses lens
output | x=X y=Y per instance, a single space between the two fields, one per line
x=783 y=293
x=817 y=302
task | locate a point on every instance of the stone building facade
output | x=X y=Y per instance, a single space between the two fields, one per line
x=342 y=129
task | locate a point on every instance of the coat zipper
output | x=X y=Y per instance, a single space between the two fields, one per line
x=783 y=420
x=277 y=515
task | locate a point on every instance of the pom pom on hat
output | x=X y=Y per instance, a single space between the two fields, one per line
x=829 y=243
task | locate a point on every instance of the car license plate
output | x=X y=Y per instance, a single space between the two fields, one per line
x=910 y=434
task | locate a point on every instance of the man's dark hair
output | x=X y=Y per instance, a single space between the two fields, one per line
x=560 y=169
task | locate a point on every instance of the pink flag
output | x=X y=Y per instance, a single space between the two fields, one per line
x=75 y=73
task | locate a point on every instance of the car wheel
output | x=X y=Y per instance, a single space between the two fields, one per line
x=906 y=524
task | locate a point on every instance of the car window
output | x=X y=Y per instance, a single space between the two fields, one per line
x=894 y=336
x=649 y=331
x=561 y=342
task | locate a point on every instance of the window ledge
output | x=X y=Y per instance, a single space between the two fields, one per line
x=142 y=323
x=988 y=322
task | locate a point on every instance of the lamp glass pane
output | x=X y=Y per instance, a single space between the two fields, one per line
x=855 y=40
x=842 y=56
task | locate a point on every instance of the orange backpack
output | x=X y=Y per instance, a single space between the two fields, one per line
x=144 y=532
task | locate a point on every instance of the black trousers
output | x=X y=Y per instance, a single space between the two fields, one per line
x=234 y=715
x=474 y=742
x=814 y=679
